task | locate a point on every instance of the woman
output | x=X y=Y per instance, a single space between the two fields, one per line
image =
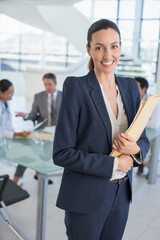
x=6 y=128
x=95 y=112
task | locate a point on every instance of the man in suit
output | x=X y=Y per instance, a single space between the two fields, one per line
x=45 y=106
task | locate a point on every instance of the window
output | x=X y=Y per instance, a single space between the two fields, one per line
x=127 y=9
x=23 y=46
x=151 y=9
x=105 y=9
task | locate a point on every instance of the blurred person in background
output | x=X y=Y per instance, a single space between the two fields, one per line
x=6 y=127
x=154 y=121
x=45 y=106
x=46 y=103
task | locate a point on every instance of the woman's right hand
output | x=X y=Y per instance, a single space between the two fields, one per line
x=125 y=162
x=20 y=114
x=22 y=134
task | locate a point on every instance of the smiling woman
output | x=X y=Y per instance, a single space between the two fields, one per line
x=6 y=94
x=96 y=188
x=105 y=49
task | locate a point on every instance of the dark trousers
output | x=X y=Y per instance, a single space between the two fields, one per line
x=108 y=222
x=20 y=171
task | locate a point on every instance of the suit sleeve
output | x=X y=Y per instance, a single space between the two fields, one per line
x=65 y=153
x=33 y=115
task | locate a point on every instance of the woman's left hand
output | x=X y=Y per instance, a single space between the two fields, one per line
x=125 y=144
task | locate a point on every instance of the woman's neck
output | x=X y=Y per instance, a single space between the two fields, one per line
x=106 y=80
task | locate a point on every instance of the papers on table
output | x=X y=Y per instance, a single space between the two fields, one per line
x=50 y=129
x=40 y=135
x=38 y=125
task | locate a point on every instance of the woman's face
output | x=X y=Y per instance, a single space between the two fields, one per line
x=105 y=50
x=8 y=94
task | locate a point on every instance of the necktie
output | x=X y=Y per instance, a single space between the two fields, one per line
x=53 y=112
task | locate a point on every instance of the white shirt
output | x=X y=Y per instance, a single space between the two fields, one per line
x=50 y=97
x=119 y=125
x=6 y=128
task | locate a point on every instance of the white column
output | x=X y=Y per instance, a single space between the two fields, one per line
x=43 y=51
x=92 y=10
x=158 y=72
x=136 y=31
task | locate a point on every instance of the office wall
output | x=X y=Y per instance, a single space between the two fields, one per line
x=18 y=80
x=34 y=83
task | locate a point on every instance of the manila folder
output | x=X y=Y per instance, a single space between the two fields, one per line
x=141 y=119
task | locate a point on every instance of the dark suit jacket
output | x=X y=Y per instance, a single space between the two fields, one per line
x=83 y=141
x=40 y=107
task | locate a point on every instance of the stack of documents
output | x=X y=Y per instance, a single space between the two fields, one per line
x=141 y=119
x=42 y=136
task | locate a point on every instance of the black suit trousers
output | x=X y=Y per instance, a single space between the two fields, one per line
x=108 y=222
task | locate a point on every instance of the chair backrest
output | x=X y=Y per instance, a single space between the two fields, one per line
x=10 y=192
x=3 y=182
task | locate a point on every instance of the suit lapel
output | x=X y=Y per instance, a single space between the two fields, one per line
x=97 y=98
x=125 y=99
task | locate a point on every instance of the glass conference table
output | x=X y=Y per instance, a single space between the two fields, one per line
x=37 y=155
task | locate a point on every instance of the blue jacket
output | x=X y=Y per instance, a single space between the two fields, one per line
x=83 y=141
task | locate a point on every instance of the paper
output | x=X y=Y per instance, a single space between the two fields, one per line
x=141 y=119
x=38 y=125
x=50 y=129
x=38 y=135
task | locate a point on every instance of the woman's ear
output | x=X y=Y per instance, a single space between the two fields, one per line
x=88 y=50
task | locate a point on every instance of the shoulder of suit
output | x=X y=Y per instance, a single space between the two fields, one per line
x=75 y=80
x=59 y=92
x=40 y=94
x=128 y=81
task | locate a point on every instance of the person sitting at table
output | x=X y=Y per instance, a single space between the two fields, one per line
x=6 y=127
x=45 y=106
x=154 y=121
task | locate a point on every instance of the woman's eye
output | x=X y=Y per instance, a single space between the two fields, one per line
x=115 y=46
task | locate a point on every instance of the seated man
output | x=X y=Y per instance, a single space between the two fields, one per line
x=154 y=121
x=45 y=106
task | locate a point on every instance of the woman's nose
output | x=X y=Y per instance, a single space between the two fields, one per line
x=107 y=53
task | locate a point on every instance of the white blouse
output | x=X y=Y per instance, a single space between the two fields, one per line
x=119 y=125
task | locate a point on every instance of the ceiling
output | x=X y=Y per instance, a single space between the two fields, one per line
x=50 y=2
x=57 y=16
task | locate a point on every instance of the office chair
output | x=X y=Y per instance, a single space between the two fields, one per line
x=11 y=193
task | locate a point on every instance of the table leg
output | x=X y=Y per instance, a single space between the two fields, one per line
x=155 y=146
x=41 y=206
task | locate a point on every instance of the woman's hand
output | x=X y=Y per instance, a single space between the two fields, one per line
x=21 y=114
x=125 y=144
x=22 y=134
x=125 y=162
